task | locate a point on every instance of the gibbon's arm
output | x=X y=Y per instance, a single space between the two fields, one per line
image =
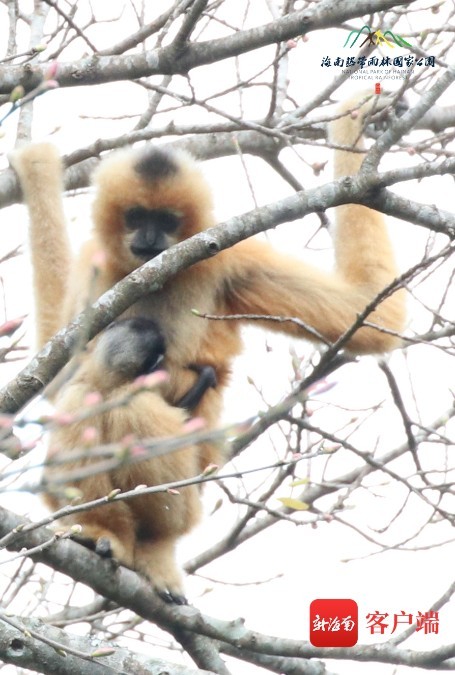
x=206 y=379
x=40 y=172
x=266 y=282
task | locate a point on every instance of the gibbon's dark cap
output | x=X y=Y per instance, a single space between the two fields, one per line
x=155 y=163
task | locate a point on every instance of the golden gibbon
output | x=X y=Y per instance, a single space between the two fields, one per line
x=147 y=199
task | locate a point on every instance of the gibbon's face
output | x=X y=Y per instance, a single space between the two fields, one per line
x=151 y=231
x=147 y=200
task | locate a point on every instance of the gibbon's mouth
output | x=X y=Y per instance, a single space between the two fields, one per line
x=146 y=253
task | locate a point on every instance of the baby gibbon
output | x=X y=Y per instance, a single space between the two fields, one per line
x=147 y=199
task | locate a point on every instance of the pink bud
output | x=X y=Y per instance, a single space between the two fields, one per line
x=6 y=421
x=94 y=398
x=320 y=387
x=50 y=84
x=99 y=260
x=9 y=327
x=138 y=450
x=51 y=72
x=194 y=424
x=89 y=436
x=210 y=469
x=152 y=380
x=62 y=418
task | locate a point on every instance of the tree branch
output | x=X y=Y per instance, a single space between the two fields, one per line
x=30 y=643
x=98 y=69
x=130 y=591
x=152 y=275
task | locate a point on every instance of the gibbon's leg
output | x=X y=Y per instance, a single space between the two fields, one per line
x=40 y=172
x=161 y=517
x=108 y=530
x=128 y=530
x=264 y=281
x=155 y=558
x=110 y=527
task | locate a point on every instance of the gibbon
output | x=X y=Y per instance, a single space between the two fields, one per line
x=149 y=198
x=142 y=532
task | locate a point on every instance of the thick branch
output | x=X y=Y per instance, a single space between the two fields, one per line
x=130 y=591
x=30 y=643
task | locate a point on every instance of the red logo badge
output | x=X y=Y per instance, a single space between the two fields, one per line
x=334 y=623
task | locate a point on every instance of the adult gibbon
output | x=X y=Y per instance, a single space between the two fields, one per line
x=149 y=198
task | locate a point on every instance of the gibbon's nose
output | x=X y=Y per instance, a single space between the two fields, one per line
x=149 y=242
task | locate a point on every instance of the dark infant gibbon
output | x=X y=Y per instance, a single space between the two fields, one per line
x=146 y=200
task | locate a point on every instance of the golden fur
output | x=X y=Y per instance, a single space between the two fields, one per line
x=249 y=278
x=138 y=540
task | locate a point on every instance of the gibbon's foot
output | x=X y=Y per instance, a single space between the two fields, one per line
x=155 y=559
x=170 y=597
x=86 y=542
x=103 y=547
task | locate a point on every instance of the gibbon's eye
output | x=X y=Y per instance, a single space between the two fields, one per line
x=152 y=230
x=137 y=217
x=166 y=220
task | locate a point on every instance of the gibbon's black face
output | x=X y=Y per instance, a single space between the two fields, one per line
x=131 y=347
x=152 y=230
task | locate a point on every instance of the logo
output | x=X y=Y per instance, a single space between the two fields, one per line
x=334 y=623
x=376 y=38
